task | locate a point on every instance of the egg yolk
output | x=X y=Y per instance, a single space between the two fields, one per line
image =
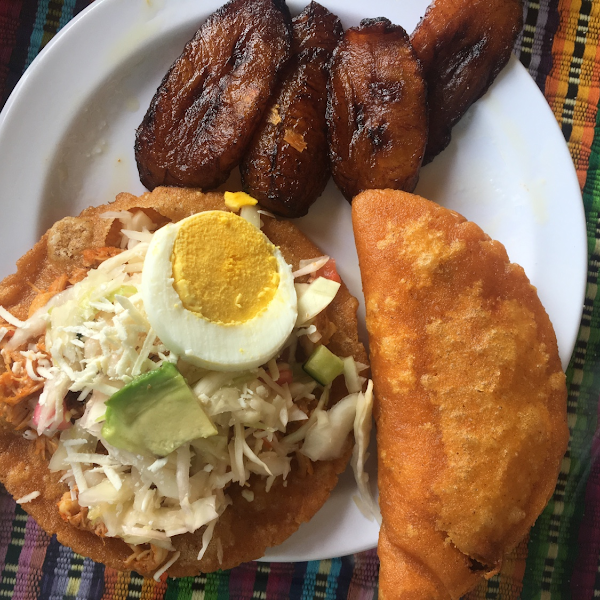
x=224 y=269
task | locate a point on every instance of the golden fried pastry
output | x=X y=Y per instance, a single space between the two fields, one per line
x=286 y=167
x=470 y=395
x=254 y=516
x=377 y=110
x=462 y=46
x=208 y=105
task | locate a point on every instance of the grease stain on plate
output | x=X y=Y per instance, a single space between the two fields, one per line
x=144 y=29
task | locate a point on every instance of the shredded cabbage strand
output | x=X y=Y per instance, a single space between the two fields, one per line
x=98 y=339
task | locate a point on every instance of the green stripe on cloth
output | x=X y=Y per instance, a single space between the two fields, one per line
x=553 y=542
x=591 y=196
x=217 y=586
x=179 y=589
x=8 y=575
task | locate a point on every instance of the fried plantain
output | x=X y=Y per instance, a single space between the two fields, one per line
x=462 y=47
x=286 y=167
x=376 y=111
x=209 y=103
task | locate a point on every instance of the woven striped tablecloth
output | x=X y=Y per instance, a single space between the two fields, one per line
x=560 y=47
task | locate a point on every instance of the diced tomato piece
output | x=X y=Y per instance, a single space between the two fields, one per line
x=285 y=376
x=329 y=271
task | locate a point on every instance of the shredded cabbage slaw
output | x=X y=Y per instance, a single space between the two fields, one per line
x=98 y=339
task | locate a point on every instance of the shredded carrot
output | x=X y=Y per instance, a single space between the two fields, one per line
x=35 y=288
x=92 y=257
x=13 y=389
x=77 y=275
x=45 y=446
x=58 y=285
x=19 y=415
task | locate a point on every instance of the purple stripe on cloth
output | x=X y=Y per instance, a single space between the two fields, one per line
x=16 y=63
x=31 y=561
x=241 y=582
x=7 y=516
x=538 y=39
x=550 y=8
x=534 y=43
x=365 y=577
x=280 y=581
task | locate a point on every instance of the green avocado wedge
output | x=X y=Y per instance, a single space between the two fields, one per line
x=323 y=365
x=157 y=412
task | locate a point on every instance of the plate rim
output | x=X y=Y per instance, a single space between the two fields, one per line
x=45 y=56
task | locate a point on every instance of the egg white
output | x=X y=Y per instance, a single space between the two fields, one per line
x=215 y=346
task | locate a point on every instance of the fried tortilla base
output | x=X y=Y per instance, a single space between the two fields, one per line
x=470 y=395
x=246 y=529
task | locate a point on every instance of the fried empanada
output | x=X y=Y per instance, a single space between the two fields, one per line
x=470 y=395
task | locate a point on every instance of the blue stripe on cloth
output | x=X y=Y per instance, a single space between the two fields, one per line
x=92 y=581
x=48 y=568
x=35 y=41
x=55 y=577
x=332 y=578
x=310 y=579
x=67 y=13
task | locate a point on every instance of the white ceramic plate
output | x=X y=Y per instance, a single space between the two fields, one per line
x=66 y=141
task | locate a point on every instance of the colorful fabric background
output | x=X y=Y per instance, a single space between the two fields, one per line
x=560 y=46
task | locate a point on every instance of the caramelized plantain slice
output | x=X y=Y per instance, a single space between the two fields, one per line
x=286 y=167
x=376 y=111
x=462 y=45
x=207 y=107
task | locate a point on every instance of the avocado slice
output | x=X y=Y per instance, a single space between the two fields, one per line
x=157 y=412
x=323 y=365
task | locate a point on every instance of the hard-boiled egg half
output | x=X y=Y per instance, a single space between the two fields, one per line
x=217 y=292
